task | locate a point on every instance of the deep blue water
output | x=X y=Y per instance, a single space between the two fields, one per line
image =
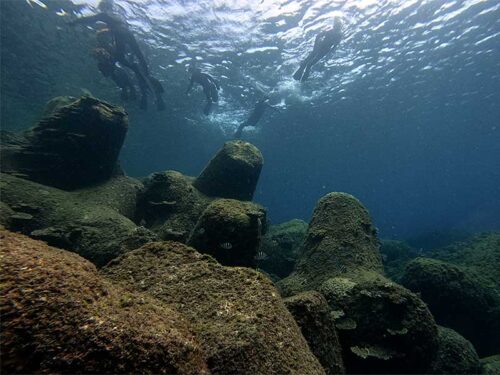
x=405 y=114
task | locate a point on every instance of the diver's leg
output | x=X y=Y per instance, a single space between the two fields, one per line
x=237 y=134
x=314 y=59
x=214 y=93
x=300 y=71
x=207 y=108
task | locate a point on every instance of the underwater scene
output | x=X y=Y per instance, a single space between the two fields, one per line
x=250 y=186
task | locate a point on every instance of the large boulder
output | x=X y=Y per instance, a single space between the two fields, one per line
x=282 y=247
x=237 y=313
x=314 y=317
x=230 y=231
x=458 y=299
x=60 y=316
x=455 y=354
x=232 y=173
x=341 y=240
x=170 y=206
x=76 y=145
x=79 y=221
x=382 y=326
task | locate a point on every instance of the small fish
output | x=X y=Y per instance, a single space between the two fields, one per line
x=226 y=245
x=261 y=256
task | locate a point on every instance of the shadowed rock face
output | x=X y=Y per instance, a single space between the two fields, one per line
x=232 y=173
x=236 y=312
x=76 y=145
x=459 y=299
x=383 y=327
x=455 y=354
x=230 y=231
x=314 y=317
x=88 y=221
x=60 y=316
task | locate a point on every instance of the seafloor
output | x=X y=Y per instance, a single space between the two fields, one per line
x=103 y=273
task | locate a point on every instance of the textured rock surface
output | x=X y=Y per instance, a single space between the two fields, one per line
x=77 y=221
x=170 y=205
x=230 y=231
x=76 y=145
x=382 y=326
x=237 y=313
x=314 y=317
x=232 y=173
x=60 y=316
x=491 y=365
x=282 y=247
x=455 y=354
x=458 y=299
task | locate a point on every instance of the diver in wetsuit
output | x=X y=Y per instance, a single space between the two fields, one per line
x=108 y=67
x=209 y=84
x=325 y=42
x=256 y=114
x=124 y=44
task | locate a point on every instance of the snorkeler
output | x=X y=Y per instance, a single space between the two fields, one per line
x=325 y=42
x=255 y=115
x=209 y=84
x=126 y=44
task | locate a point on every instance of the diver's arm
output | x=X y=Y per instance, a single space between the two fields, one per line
x=190 y=85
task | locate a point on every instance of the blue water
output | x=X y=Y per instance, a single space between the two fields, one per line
x=405 y=114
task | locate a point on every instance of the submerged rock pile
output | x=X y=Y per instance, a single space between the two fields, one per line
x=187 y=304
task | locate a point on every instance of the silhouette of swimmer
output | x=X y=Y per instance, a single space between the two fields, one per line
x=325 y=42
x=124 y=43
x=256 y=114
x=209 y=84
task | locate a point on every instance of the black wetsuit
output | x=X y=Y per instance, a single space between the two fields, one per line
x=324 y=43
x=210 y=88
x=255 y=116
x=125 y=42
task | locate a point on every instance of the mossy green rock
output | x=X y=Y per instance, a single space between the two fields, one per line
x=232 y=173
x=79 y=221
x=76 y=145
x=314 y=317
x=458 y=299
x=383 y=327
x=60 y=316
x=455 y=354
x=340 y=240
x=170 y=206
x=230 y=231
x=395 y=256
x=282 y=246
x=236 y=313
x=491 y=365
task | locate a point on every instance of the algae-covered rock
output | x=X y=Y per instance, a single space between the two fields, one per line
x=76 y=145
x=170 y=205
x=237 y=313
x=282 y=246
x=341 y=239
x=60 y=316
x=458 y=299
x=6 y=214
x=455 y=354
x=383 y=327
x=56 y=103
x=232 y=173
x=491 y=365
x=314 y=317
x=479 y=253
x=67 y=220
x=230 y=231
